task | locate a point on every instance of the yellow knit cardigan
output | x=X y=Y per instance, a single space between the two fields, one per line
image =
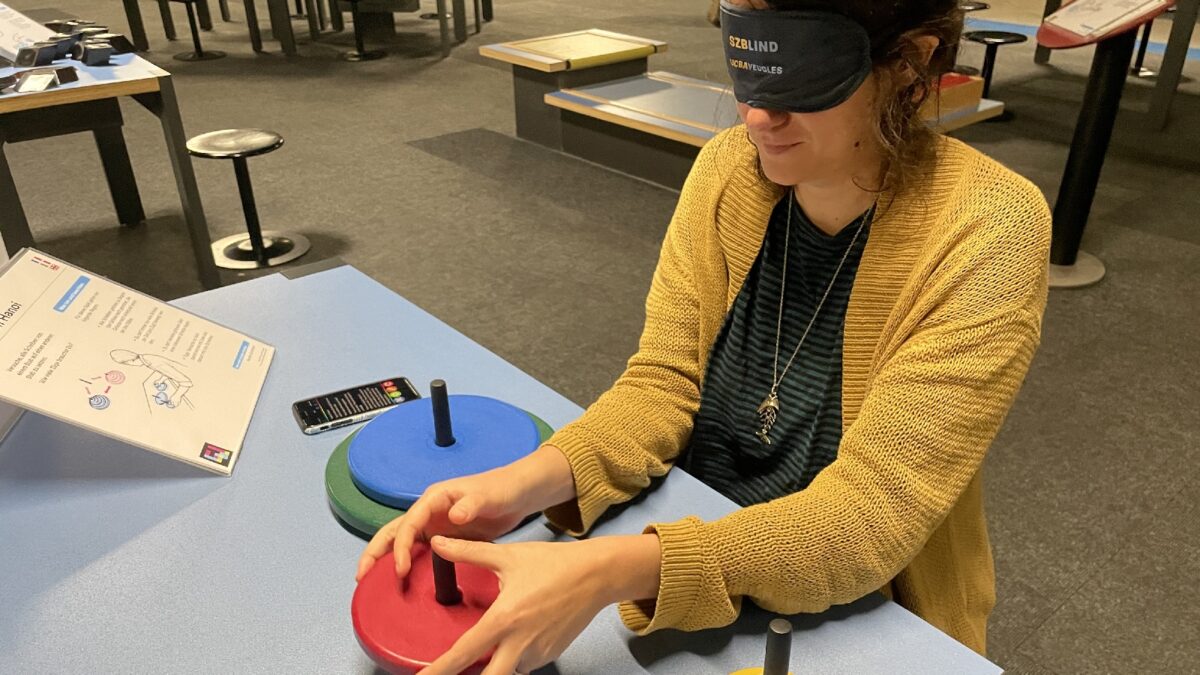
x=943 y=320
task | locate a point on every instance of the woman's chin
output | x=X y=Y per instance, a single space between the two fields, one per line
x=782 y=175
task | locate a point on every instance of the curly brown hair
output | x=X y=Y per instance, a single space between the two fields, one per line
x=904 y=80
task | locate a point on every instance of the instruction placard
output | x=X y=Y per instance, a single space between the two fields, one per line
x=93 y=353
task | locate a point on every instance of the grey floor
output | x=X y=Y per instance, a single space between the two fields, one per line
x=407 y=168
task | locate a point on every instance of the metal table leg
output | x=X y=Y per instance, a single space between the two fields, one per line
x=1042 y=55
x=122 y=184
x=1093 y=131
x=487 y=10
x=335 y=16
x=252 y=25
x=460 y=20
x=164 y=8
x=137 y=29
x=204 y=14
x=1171 y=70
x=444 y=25
x=14 y=228
x=164 y=105
x=281 y=25
x=314 y=28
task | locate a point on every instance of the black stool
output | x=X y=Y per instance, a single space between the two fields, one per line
x=255 y=248
x=360 y=53
x=966 y=8
x=198 y=54
x=991 y=40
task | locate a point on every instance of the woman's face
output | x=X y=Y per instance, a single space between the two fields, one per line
x=814 y=148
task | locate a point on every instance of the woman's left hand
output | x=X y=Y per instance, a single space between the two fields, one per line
x=549 y=592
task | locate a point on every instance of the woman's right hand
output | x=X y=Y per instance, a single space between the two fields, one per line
x=479 y=507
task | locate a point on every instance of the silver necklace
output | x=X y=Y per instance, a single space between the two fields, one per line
x=768 y=410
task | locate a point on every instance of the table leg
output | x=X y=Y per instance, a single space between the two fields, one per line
x=281 y=25
x=14 y=228
x=252 y=25
x=224 y=5
x=164 y=8
x=1093 y=131
x=1171 y=70
x=164 y=105
x=122 y=184
x=460 y=20
x=204 y=14
x=314 y=29
x=1042 y=55
x=444 y=26
x=487 y=10
x=335 y=16
x=321 y=19
x=137 y=29
x=478 y=17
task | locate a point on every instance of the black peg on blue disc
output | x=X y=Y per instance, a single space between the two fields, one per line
x=444 y=434
x=445 y=580
x=779 y=647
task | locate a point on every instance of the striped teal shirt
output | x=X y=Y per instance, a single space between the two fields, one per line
x=724 y=451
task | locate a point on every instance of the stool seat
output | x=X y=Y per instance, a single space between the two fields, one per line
x=971 y=6
x=234 y=143
x=995 y=37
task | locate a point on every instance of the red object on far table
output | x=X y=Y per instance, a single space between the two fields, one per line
x=402 y=627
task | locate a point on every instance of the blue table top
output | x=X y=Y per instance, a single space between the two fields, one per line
x=119 y=560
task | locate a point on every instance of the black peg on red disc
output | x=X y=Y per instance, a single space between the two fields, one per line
x=444 y=434
x=445 y=580
x=779 y=647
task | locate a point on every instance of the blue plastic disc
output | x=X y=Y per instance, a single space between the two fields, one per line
x=394 y=457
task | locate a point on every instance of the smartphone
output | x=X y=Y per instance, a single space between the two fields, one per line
x=350 y=406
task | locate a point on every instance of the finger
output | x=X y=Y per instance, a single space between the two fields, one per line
x=376 y=548
x=474 y=552
x=411 y=527
x=467 y=650
x=505 y=660
x=465 y=510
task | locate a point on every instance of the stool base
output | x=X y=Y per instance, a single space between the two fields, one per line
x=235 y=253
x=1087 y=270
x=368 y=55
x=206 y=55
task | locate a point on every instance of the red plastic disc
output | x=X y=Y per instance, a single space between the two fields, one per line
x=402 y=627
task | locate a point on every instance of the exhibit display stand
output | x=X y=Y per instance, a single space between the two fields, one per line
x=1112 y=26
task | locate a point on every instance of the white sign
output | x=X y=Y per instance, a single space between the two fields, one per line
x=93 y=353
x=18 y=30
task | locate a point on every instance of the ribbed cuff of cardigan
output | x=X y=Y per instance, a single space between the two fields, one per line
x=578 y=515
x=691 y=592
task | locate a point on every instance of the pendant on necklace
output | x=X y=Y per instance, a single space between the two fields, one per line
x=768 y=411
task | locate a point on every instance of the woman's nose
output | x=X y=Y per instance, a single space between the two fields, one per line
x=763 y=118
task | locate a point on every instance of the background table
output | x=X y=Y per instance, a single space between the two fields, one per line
x=150 y=86
x=119 y=560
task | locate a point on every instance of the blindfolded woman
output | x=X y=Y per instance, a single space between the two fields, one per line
x=845 y=306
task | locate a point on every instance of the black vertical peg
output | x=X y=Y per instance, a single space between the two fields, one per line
x=445 y=581
x=444 y=434
x=779 y=647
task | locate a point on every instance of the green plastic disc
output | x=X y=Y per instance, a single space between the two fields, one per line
x=359 y=512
